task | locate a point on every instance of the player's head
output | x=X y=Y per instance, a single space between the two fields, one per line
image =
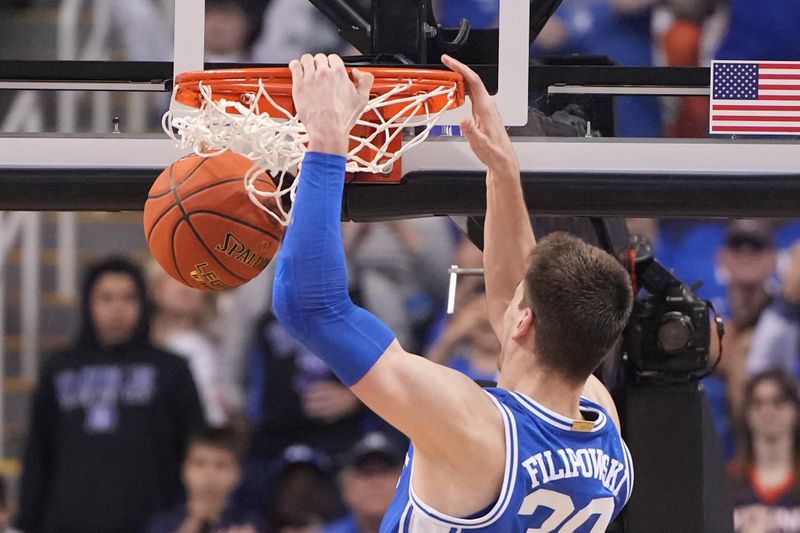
x=571 y=308
x=212 y=468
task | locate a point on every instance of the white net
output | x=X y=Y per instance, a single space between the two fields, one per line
x=277 y=143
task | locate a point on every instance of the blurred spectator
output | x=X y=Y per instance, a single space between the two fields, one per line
x=777 y=338
x=110 y=418
x=682 y=47
x=765 y=474
x=762 y=30
x=240 y=311
x=146 y=28
x=619 y=29
x=683 y=44
x=400 y=272
x=146 y=31
x=691 y=248
x=5 y=509
x=211 y=471
x=228 y=29
x=293 y=398
x=752 y=31
x=293 y=28
x=468 y=343
x=181 y=321
x=747 y=262
x=302 y=496
x=368 y=480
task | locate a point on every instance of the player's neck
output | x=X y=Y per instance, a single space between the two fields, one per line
x=551 y=391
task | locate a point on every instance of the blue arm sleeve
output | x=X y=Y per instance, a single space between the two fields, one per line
x=310 y=295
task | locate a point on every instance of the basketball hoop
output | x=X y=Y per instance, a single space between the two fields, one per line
x=251 y=112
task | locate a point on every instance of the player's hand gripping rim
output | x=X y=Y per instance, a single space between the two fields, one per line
x=327 y=101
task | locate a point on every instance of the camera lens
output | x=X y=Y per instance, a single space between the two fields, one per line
x=675 y=332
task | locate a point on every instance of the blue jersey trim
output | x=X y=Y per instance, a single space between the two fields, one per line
x=509 y=479
x=559 y=421
x=629 y=469
x=405 y=519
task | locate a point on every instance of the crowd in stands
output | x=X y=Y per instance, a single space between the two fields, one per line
x=132 y=430
x=175 y=410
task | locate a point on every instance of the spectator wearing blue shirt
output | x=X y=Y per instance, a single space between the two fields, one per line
x=368 y=480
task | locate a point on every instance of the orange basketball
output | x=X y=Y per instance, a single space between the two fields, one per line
x=202 y=227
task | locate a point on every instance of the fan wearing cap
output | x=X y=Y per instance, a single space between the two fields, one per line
x=368 y=479
x=746 y=262
x=776 y=341
x=302 y=494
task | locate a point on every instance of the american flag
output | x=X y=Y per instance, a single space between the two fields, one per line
x=755 y=98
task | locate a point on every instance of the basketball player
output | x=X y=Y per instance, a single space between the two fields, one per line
x=542 y=451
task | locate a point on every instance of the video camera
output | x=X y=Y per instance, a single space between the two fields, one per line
x=669 y=333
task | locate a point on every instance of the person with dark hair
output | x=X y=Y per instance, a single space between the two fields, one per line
x=301 y=493
x=367 y=480
x=293 y=398
x=110 y=419
x=543 y=449
x=765 y=473
x=229 y=28
x=211 y=471
x=746 y=261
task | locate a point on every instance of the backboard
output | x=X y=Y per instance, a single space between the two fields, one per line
x=96 y=163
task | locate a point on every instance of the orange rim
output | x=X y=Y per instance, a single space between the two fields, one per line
x=232 y=84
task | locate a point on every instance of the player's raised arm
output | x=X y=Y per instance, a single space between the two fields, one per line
x=508 y=236
x=454 y=425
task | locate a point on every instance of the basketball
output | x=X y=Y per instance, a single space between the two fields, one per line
x=202 y=227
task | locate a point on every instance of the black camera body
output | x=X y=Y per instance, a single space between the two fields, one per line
x=669 y=333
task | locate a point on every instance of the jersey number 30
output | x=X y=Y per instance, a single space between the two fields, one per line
x=564 y=518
